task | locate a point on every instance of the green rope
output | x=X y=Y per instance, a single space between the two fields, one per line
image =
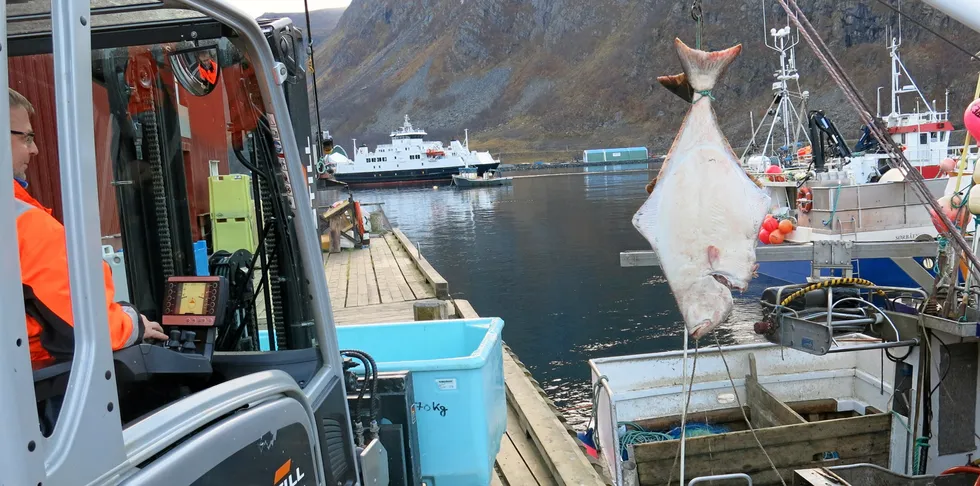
x=921 y=444
x=833 y=210
x=639 y=436
x=704 y=94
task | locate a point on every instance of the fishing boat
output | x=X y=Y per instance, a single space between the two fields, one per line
x=837 y=193
x=848 y=383
x=470 y=177
x=411 y=158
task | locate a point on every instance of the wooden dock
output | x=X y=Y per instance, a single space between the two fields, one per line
x=383 y=283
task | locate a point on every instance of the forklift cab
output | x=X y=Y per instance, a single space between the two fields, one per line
x=142 y=107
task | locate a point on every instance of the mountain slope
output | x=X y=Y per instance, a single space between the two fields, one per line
x=323 y=21
x=540 y=75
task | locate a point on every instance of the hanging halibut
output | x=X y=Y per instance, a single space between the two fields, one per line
x=704 y=213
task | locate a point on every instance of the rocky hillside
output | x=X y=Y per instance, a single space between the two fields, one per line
x=323 y=22
x=555 y=75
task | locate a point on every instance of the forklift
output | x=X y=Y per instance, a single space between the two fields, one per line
x=206 y=406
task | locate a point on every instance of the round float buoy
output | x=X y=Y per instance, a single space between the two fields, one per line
x=772 y=173
x=947 y=165
x=971 y=119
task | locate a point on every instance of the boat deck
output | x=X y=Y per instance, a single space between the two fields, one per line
x=383 y=283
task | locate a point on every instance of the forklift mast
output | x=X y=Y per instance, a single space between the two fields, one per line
x=152 y=413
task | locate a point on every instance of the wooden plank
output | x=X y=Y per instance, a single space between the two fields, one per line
x=806 y=407
x=771 y=437
x=530 y=454
x=495 y=480
x=337 y=268
x=391 y=283
x=464 y=310
x=512 y=465
x=374 y=314
x=363 y=286
x=787 y=455
x=767 y=410
x=760 y=478
x=723 y=416
x=413 y=277
x=567 y=462
x=439 y=284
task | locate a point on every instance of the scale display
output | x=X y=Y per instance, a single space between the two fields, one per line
x=193 y=301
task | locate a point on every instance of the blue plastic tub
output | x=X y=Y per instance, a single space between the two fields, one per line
x=458 y=375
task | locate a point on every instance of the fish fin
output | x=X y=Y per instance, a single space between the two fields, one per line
x=678 y=85
x=703 y=69
x=653 y=182
x=713 y=254
x=755 y=180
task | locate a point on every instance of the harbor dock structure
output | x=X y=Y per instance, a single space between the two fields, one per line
x=389 y=281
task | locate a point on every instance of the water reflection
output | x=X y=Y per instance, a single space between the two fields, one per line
x=543 y=254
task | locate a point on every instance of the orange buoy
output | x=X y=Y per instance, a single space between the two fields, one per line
x=776 y=237
x=786 y=226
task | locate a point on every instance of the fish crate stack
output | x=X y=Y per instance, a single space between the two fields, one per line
x=232 y=213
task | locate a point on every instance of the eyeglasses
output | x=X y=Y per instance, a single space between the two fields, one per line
x=28 y=137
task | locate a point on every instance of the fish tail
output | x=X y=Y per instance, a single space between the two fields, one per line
x=678 y=85
x=703 y=69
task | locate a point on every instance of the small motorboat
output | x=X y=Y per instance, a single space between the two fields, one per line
x=470 y=177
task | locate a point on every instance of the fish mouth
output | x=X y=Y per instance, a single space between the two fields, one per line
x=731 y=282
x=702 y=329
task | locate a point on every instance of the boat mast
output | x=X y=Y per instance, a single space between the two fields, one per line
x=783 y=43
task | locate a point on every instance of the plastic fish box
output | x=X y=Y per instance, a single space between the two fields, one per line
x=459 y=390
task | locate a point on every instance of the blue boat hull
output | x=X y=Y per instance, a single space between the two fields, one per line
x=880 y=271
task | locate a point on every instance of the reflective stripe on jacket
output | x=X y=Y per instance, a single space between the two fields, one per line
x=47 y=300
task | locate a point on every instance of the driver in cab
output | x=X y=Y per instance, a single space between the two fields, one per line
x=44 y=264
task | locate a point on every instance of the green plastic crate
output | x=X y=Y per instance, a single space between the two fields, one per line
x=231 y=196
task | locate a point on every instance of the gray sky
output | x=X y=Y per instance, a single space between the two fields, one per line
x=258 y=7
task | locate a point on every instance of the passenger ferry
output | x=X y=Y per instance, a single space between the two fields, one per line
x=410 y=158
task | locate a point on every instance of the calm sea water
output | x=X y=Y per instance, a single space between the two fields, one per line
x=543 y=255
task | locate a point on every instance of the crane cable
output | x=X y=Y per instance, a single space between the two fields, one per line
x=316 y=96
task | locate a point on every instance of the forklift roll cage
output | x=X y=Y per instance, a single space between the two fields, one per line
x=89 y=444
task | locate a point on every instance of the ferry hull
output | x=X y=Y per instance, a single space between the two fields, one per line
x=407 y=176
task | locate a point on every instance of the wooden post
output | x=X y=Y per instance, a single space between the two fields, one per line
x=430 y=310
x=377 y=222
x=336 y=225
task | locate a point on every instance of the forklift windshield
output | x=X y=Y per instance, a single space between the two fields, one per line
x=197 y=212
x=191 y=176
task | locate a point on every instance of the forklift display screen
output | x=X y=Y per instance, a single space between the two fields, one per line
x=194 y=301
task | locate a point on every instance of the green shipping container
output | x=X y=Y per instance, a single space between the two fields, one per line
x=631 y=154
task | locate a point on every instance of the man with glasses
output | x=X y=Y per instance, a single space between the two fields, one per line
x=44 y=264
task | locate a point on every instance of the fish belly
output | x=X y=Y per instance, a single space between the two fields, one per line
x=702 y=199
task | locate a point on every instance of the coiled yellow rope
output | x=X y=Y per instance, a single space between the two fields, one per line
x=827 y=283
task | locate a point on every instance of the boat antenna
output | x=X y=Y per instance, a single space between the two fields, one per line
x=933 y=32
x=316 y=96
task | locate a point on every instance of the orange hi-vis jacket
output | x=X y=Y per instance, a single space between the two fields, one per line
x=47 y=300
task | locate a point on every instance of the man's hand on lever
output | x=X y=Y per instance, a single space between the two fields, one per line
x=152 y=330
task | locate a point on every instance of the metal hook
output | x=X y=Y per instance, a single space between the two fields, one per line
x=696 y=10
